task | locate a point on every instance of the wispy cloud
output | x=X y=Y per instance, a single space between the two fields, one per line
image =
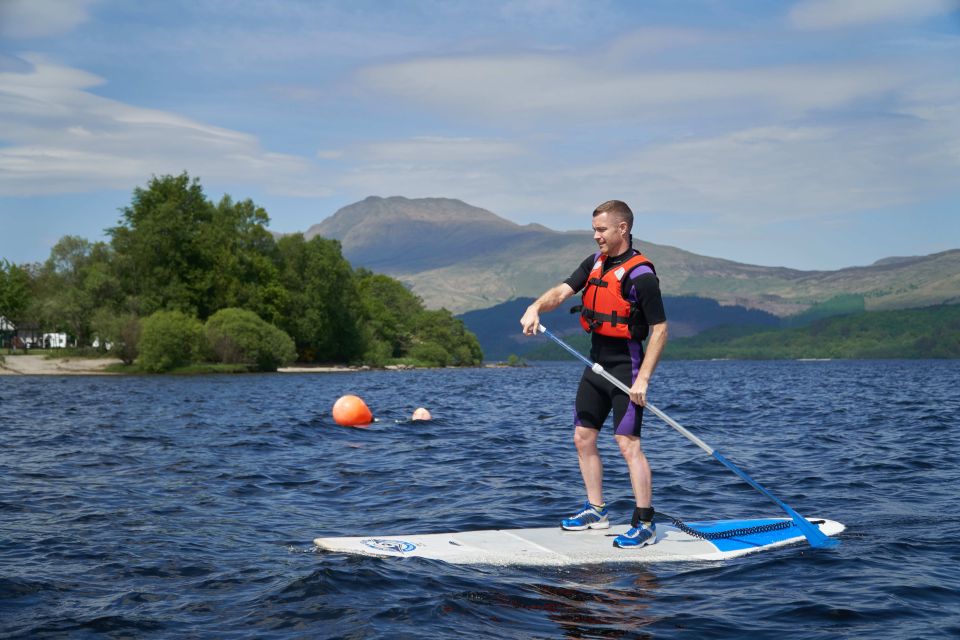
x=748 y=142
x=41 y=18
x=472 y=169
x=439 y=149
x=655 y=39
x=552 y=87
x=780 y=173
x=833 y=14
x=61 y=137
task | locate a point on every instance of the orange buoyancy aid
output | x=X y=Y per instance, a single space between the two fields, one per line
x=604 y=309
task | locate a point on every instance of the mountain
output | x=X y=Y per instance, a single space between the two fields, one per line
x=461 y=257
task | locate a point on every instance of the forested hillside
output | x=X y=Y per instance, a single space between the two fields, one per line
x=932 y=332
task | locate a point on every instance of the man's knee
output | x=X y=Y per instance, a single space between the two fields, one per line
x=585 y=438
x=629 y=446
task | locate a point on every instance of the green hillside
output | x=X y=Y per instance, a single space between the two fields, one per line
x=932 y=332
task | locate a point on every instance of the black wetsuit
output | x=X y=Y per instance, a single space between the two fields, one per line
x=620 y=357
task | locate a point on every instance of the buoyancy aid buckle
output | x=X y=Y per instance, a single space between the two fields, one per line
x=589 y=316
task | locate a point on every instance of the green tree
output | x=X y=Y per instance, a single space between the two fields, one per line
x=15 y=293
x=441 y=328
x=163 y=257
x=238 y=336
x=244 y=261
x=430 y=354
x=396 y=325
x=177 y=250
x=390 y=311
x=119 y=331
x=72 y=284
x=322 y=312
x=169 y=339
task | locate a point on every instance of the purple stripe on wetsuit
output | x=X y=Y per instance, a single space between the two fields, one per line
x=636 y=273
x=632 y=417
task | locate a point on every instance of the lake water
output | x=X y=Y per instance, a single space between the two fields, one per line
x=141 y=507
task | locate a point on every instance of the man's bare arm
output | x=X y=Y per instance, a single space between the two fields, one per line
x=549 y=301
x=655 y=345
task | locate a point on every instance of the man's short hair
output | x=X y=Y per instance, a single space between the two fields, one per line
x=618 y=209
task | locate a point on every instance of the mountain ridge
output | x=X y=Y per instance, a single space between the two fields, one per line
x=461 y=257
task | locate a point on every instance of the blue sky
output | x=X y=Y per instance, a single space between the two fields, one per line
x=814 y=134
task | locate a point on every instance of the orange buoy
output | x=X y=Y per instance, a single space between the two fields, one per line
x=351 y=411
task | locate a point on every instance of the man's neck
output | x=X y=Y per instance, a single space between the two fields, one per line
x=618 y=255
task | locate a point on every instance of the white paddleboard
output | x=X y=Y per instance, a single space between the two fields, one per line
x=554 y=546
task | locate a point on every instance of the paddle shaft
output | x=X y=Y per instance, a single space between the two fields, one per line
x=814 y=536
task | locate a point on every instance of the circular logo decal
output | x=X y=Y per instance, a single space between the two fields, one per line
x=390 y=546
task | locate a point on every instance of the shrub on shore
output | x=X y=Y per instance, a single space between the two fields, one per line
x=169 y=339
x=238 y=336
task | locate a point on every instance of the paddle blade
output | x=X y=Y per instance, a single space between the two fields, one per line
x=811 y=532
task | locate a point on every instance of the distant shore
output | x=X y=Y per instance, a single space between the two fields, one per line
x=44 y=366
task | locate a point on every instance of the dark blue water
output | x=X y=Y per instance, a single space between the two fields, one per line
x=185 y=507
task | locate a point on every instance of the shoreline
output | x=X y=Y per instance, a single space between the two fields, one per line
x=27 y=365
x=43 y=366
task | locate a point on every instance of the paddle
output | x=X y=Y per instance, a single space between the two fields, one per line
x=814 y=536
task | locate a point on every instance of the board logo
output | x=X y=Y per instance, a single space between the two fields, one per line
x=393 y=546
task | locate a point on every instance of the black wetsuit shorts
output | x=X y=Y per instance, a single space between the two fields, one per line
x=596 y=396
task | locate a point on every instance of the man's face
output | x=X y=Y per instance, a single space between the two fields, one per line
x=607 y=233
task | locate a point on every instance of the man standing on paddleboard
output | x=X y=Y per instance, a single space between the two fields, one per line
x=621 y=306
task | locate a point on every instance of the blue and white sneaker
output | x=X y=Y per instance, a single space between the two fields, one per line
x=637 y=537
x=590 y=517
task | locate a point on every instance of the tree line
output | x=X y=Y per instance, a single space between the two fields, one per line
x=176 y=252
x=930 y=332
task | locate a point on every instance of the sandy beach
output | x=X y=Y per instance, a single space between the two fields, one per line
x=43 y=366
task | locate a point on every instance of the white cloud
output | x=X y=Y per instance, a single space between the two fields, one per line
x=775 y=173
x=439 y=149
x=832 y=14
x=548 y=87
x=41 y=18
x=748 y=145
x=655 y=39
x=466 y=168
x=62 y=138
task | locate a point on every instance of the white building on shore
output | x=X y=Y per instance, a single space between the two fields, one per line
x=29 y=336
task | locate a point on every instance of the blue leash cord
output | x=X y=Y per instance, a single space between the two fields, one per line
x=814 y=536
